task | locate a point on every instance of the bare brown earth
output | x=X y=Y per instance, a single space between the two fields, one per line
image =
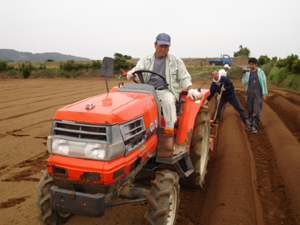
x=251 y=179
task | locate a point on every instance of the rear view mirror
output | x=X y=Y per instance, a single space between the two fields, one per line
x=107 y=67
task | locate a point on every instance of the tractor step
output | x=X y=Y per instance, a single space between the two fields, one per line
x=174 y=158
x=182 y=162
x=185 y=168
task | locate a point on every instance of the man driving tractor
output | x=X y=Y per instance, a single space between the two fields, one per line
x=173 y=69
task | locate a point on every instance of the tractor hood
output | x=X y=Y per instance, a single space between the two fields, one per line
x=109 y=108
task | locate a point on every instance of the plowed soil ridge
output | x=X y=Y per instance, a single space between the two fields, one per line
x=276 y=204
x=288 y=111
x=230 y=198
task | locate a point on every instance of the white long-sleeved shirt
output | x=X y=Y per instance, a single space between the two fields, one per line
x=177 y=75
x=222 y=72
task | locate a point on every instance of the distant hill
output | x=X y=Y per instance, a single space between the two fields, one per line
x=15 y=56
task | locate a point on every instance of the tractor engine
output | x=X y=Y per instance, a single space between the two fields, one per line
x=97 y=143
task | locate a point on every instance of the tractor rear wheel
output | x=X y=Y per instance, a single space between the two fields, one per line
x=46 y=214
x=163 y=200
x=199 y=151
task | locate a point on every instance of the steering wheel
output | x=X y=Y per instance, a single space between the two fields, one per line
x=142 y=81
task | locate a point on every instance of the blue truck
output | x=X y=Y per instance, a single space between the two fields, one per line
x=225 y=59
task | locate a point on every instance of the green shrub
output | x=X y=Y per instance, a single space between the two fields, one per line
x=296 y=66
x=242 y=52
x=61 y=72
x=121 y=62
x=11 y=72
x=42 y=66
x=10 y=67
x=288 y=62
x=26 y=64
x=68 y=66
x=263 y=59
x=122 y=56
x=72 y=65
x=26 y=72
x=3 y=65
x=77 y=66
x=67 y=76
x=87 y=65
x=96 y=64
x=127 y=57
x=49 y=60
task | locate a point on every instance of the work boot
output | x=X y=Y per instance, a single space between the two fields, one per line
x=254 y=130
x=248 y=128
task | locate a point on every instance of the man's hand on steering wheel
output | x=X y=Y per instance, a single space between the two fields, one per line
x=130 y=75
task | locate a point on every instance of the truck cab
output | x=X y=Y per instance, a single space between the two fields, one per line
x=225 y=59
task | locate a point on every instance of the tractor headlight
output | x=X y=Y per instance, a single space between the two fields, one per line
x=60 y=147
x=95 y=151
x=98 y=151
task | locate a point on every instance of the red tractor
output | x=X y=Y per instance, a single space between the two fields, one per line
x=98 y=145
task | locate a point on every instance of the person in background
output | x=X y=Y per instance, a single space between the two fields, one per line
x=222 y=83
x=173 y=69
x=223 y=72
x=256 y=93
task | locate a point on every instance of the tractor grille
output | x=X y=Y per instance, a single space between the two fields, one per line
x=133 y=133
x=81 y=131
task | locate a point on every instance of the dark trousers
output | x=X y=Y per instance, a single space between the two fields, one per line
x=233 y=100
x=254 y=107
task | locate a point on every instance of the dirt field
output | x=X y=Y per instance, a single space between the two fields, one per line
x=252 y=179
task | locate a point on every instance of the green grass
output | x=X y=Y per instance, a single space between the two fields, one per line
x=277 y=75
x=292 y=82
x=52 y=67
x=12 y=72
x=202 y=71
x=268 y=67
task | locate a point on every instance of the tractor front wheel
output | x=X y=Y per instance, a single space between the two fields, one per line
x=163 y=200
x=46 y=214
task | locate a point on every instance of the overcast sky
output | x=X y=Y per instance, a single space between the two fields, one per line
x=198 y=29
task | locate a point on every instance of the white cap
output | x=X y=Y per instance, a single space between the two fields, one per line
x=226 y=66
